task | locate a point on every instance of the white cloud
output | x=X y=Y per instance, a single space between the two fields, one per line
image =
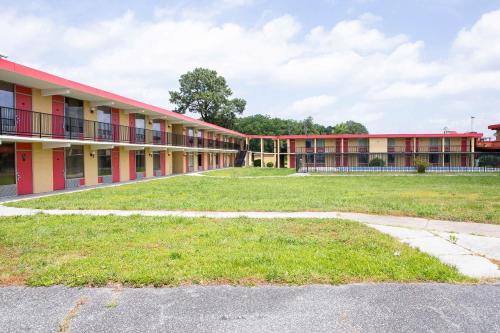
x=313 y=103
x=352 y=65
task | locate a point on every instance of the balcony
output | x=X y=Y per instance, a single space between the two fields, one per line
x=22 y=123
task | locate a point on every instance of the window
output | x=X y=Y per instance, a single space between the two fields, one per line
x=434 y=159
x=104 y=162
x=434 y=144
x=320 y=159
x=447 y=159
x=139 y=128
x=363 y=145
x=156 y=161
x=190 y=134
x=73 y=110
x=320 y=143
x=200 y=138
x=104 y=122
x=157 y=131
x=391 y=145
x=310 y=158
x=7 y=113
x=363 y=160
x=74 y=162
x=447 y=143
x=200 y=161
x=191 y=162
x=309 y=143
x=7 y=164
x=140 y=161
x=391 y=159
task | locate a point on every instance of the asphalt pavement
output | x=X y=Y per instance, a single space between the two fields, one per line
x=316 y=308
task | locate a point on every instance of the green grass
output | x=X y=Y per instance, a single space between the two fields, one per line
x=46 y=250
x=250 y=172
x=461 y=198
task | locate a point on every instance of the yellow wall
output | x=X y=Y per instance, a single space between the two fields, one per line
x=41 y=103
x=149 y=162
x=124 y=165
x=90 y=166
x=178 y=162
x=378 y=145
x=168 y=161
x=124 y=117
x=42 y=170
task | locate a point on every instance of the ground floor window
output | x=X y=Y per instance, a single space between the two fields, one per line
x=310 y=158
x=434 y=159
x=217 y=160
x=363 y=159
x=104 y=162
x=200 y=161
x=446 y=158
x=191 y=162
x=140 y=161
x=156 y=161
x=74 y=162
x=320 y=159
x=7 y=164
x=391 y=159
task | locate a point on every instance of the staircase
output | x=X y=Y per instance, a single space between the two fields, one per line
x=240 y=158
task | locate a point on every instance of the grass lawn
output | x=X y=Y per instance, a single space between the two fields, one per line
x=250 y=172
x=46 y=250
x=461 y=198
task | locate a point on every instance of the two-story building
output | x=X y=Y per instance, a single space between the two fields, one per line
x=57 y=134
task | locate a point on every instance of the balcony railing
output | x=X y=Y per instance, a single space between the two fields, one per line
x=390 y=149
x=43 y=125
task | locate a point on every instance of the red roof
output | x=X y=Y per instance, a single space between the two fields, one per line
x=494 y=127
x=366 y=136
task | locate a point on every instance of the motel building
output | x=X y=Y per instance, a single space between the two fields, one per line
x=58 y=134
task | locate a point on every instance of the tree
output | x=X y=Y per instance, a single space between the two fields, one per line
x=205 y=92
x=349 y=127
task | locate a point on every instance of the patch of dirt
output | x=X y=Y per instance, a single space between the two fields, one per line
x=64 y=325
x=12 y=280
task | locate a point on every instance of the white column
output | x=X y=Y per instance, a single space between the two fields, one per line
x=261 y=152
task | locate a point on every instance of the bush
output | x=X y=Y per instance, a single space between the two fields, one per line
x=489 y=161
x=377 y=162
x=421 y=165
x=256 y=163
x=269 y=164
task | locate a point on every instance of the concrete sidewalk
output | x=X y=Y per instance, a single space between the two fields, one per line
x=348 y=308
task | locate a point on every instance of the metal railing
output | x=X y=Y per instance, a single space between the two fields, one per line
x=399 y=162
x=390 y=149
x=26 y=123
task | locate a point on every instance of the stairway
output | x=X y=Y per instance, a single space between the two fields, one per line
x=240 y=158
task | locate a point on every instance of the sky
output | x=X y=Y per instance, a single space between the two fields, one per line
x=396 y=66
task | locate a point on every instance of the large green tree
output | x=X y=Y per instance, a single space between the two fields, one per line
x=349 y=127
x=205 y=92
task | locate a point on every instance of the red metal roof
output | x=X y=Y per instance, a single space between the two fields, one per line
x=494 y=127
x=363 y=136
x=56 y=80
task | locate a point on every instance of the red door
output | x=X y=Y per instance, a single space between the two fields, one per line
x=58 y=117
x=58 y=169
x=131 y=124
x=115 y=164
x=463 y=148
x=338 y=146
x=345 y=157
x=23 y=111
x=162 y=163
x=292 y=155
x=24 y=168
x=408 y=151
x=115 y=124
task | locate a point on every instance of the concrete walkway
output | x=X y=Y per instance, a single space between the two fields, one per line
x=473 y=248
x=316 y=308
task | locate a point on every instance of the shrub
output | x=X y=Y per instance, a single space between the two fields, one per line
x=377 y=162
x=256 y=163
x=491 y=161
x=269 y=164
x=421 y=165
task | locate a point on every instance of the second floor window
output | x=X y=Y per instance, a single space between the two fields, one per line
x=7 y=113
x=139 y=128
x=104 y=122
x=309 y=143
x=73 y=111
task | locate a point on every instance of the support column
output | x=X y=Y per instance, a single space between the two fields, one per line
x=314 y=156
x=442 y=151
x=279 y=156
x=261 y=152
x=342 y=152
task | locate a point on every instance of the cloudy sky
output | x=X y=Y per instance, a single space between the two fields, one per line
x=396 y=66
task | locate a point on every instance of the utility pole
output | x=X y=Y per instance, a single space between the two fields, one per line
x=472 y=123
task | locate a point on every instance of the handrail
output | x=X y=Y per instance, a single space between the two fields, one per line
x=28 y=123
